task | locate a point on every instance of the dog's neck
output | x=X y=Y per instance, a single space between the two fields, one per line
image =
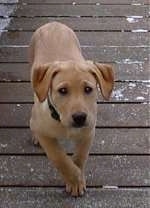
x=55 y=115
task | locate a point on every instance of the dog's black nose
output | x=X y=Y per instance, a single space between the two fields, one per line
x=79 y=119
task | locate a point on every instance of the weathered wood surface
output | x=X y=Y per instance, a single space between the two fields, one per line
x=102 y=54
x=54 y=197
x=75 y=10
x=109 y=115
x=80 y=24
x=109 y=31
x=134 y=2
x=107 y=141
x=101 y=171
x=123 y=92
x=127 y=71
x=85 y=38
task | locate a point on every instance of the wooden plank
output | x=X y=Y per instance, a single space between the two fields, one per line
x=15 y=115
x=123 y=71
x=123 y=92
x=85 y=38
x=84 y=23
x=132 y=71
x=123 y=115
x=77 y=10
x=116 y=54
x=56 y=197
x=107 y=141
x=109 y=115
x=78 y=2
x=19 y=54
x=102 y=54
x=14 y=72
x=100 y=171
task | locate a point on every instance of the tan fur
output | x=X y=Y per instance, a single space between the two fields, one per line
x=56 y=63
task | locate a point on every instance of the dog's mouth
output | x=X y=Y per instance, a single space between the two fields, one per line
x=79 y=126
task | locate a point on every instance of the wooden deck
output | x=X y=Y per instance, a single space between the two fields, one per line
x=118 y=169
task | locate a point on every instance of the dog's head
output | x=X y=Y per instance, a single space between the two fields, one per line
x=73 y=89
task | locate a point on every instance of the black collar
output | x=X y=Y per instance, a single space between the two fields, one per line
x=54 y=113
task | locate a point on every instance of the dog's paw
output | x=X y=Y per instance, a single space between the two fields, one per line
x=76 y=188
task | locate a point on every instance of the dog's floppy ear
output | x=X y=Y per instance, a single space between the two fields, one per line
x=105 y=78
x=41 y=80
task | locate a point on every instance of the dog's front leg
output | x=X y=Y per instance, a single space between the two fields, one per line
x=72 y=175
x=82 y=150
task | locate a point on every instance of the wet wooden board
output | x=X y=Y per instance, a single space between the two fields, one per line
x=100 y=171
x=83 y=24
x=109 y=115
x=85 y=38
x=77 y=2
x=126 y=71
x=102 y=54
x=123 y=92
x=56 y=197
x=107 y=141
x=75 y=10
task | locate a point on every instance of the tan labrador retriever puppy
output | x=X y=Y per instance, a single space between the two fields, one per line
x=65 y=94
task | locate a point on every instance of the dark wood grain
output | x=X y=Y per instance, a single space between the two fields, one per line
x=83 y=24
x=85 y=38
x=77 y=2
x=100 y=171
x=123 y=115
x=137 y=71
x=109 y=115
x=14 y=72
x=107 y=141
x=56 y=197
x=77 y=10
x=123 y=92
x=116 y=54
x=102 y=54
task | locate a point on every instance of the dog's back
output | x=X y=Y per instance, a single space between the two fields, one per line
x=54 y=42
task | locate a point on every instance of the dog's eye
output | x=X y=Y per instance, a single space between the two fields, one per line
x=63 y=91
x=88 y=90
